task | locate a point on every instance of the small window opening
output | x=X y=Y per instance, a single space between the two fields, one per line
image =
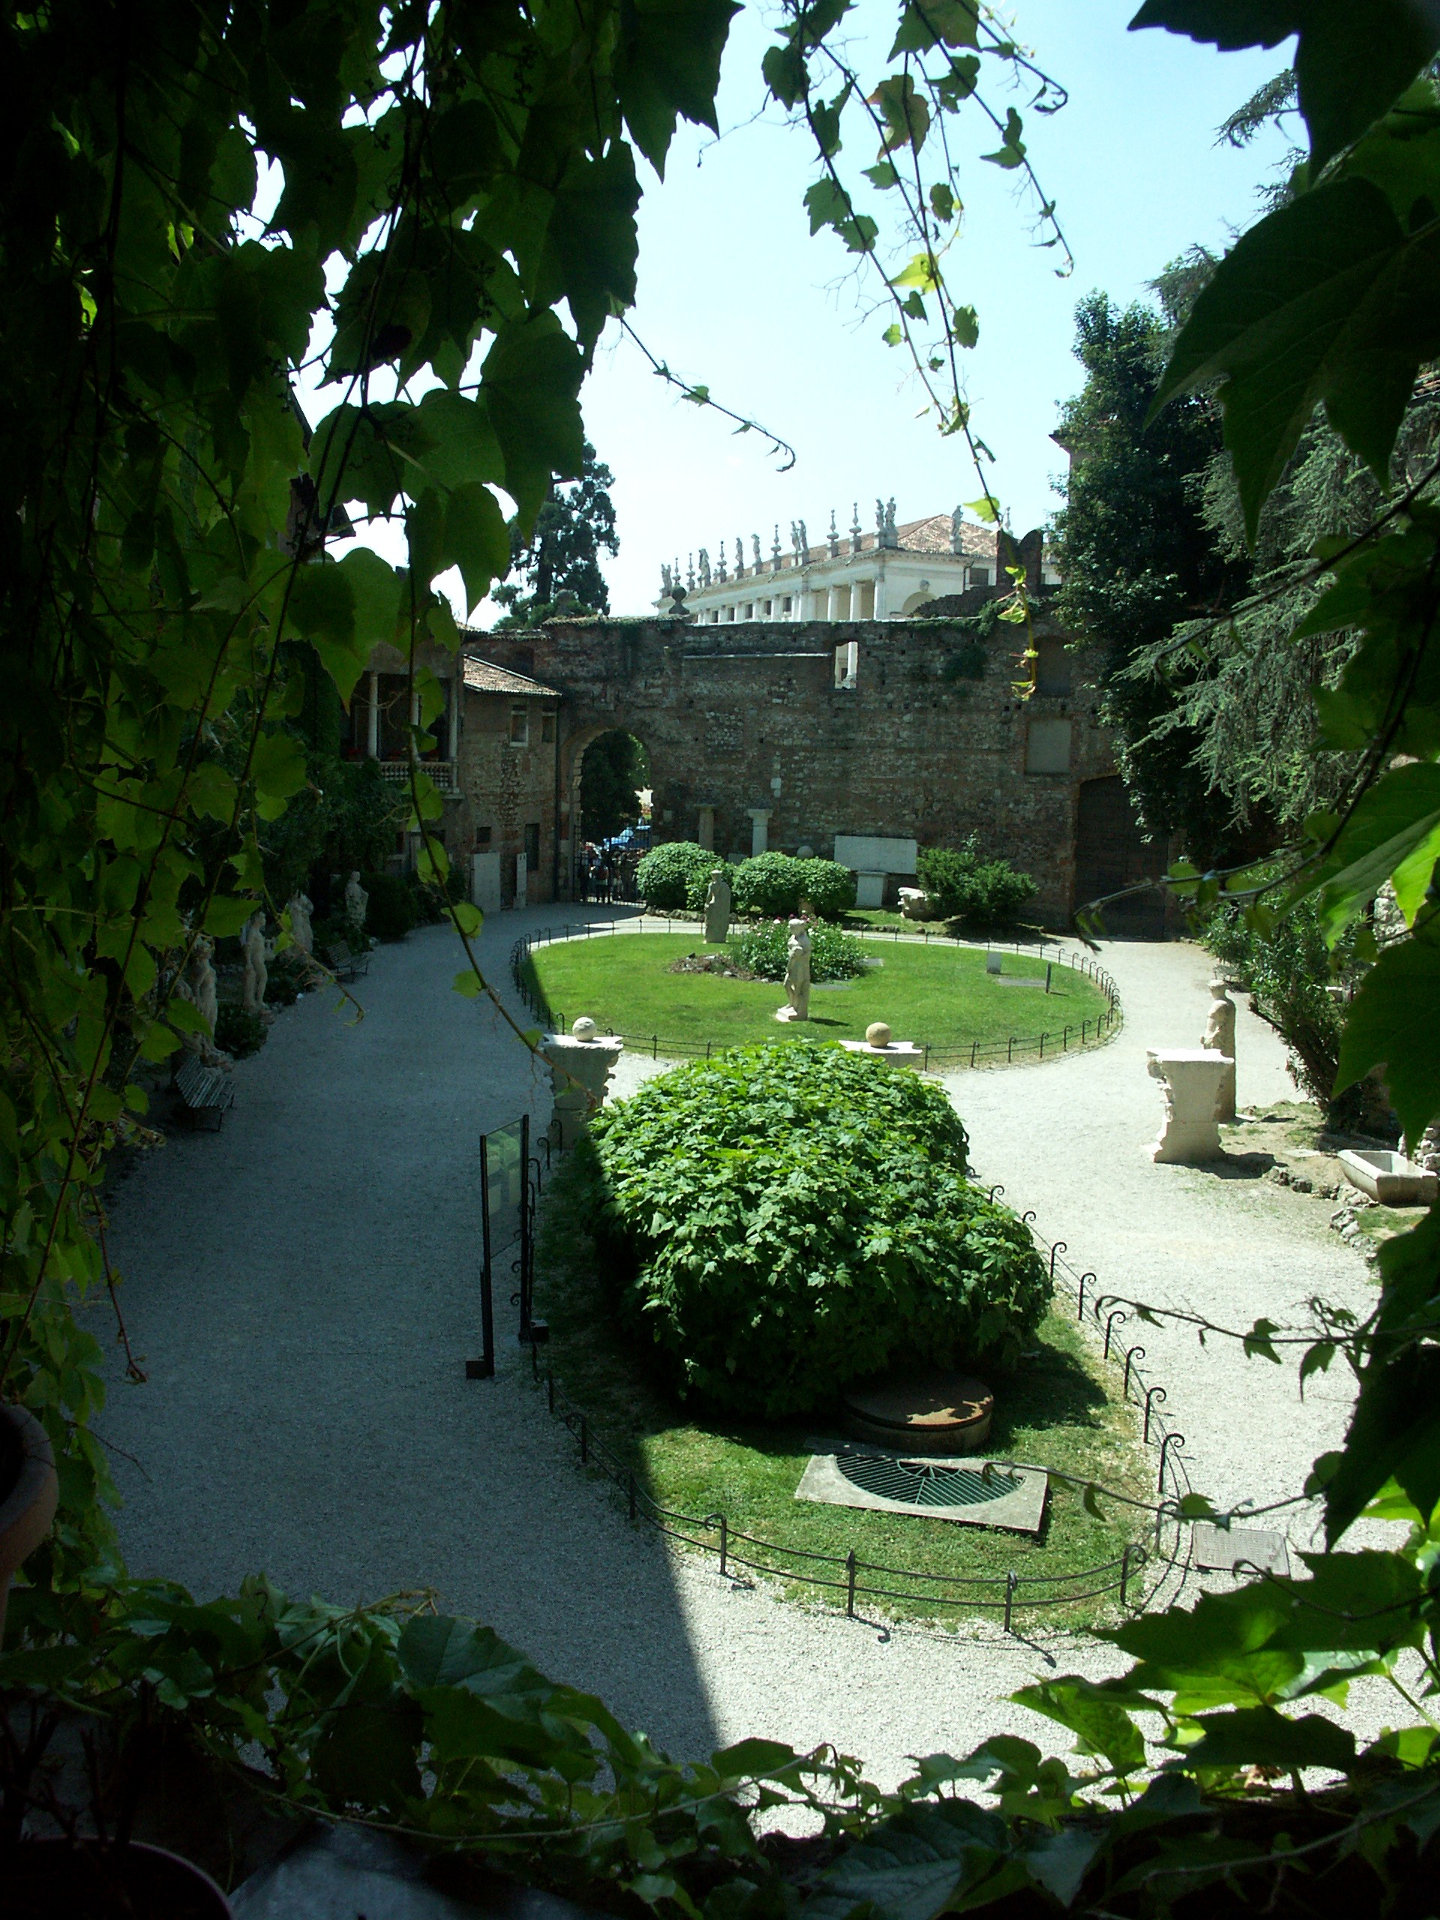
x=519 y=727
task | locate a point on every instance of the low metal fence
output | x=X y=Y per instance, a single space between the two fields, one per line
x=1137 y=1577
x=1069 y=1038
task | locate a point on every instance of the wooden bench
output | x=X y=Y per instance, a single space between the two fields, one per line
x=204 y=1091
x=344 y=964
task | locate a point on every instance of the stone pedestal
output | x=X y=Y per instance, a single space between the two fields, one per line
x=1192 y=1079
x=580 y=1070
x=900 y=1053
x=759 y=830
x=870 y=889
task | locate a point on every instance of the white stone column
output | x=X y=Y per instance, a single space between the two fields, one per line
x=372 y=719
x=759 y=829
x=882 y=605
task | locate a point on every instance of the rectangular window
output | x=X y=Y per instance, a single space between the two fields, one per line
x=1047 y=747
x=785 y=604
x=847 y=664
x=749 y=609
x=547 y=727
x=769 y=608
x=532 y=846
x=979 y=576
x=519 y=726
x=482 y=836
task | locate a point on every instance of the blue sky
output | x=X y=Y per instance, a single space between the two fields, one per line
x=734 y=293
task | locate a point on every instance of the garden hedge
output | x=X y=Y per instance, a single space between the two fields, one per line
x=773 y=884
x=676 y=876
x=779 y=1221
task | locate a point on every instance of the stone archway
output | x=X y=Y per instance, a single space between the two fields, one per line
x=1111 y=852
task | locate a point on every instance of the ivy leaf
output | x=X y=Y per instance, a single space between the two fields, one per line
x=1259 y=1736
x=1352 y=61
x=277 y=767
x=922 y=26
x=942 y=201
x=1394 y=1023
x=916 y=1865
x=667 y=63
x=906 y=113
x=1326 y=299
x=477 y=540
x=965 y=327
x=1394 y=1434
x=531 y=384
x=1011 y=151
x=1099 y=1723
x=920 y=272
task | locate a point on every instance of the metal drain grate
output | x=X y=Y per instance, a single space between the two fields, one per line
x=920 y=1484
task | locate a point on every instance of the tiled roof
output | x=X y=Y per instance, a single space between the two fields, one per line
x=933 y=536
x=483 y=676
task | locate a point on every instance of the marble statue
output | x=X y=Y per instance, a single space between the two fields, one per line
x=755 y=549
x=797 y=974
x=357 y=908
x=257 y=973
x=717 y=909
x=299 y=907
x=665 y=576
x=197 y=984
x=1220 y=1038
x=704 y=567
x=915 y=904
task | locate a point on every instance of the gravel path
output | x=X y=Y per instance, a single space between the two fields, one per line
x=301 y=1287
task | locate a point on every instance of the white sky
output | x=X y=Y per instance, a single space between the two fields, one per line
x=736 y=295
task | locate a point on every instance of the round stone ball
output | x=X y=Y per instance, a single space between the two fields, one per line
x=877 y=1034
x=584 y=1028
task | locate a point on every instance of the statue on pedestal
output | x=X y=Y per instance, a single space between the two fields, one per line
x=717 y=909
x=300 y=907
x=1220 y=1038
x=797 y=974
x=581 y=1063
x=197 y=984
x=257 y=973
x=357 y=908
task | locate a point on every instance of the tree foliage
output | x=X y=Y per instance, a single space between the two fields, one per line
x=1135 y=556
x=614 y=769
x=559 y=565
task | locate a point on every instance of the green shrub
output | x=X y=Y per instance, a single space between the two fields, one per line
x=779 y=1222
x=393 y=910
x=829 y=887
x=237 y=1032
x=970 y=891
x=763 y=950
x=773 y=884
x=676 y=875
x=289 y=974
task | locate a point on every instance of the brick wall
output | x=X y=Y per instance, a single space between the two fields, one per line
x=930 y=742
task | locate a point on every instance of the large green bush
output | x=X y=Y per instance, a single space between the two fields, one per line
x=393 y=910
x=676 y=875
x=971 y=891
x=780 y=1221
x=775 y=883
x=765 y=949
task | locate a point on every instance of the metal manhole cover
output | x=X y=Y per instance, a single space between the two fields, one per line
x=919 y=1484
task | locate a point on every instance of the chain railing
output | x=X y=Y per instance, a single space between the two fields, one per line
x=1071 y=1037
x=1127 y=1577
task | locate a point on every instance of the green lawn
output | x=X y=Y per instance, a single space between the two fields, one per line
x=1058 y=1410
x=938 y=996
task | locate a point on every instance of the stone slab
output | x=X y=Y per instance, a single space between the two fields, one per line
x=875 y=853
x=1224 y=1548
x=870 y=889
x=900 y=1053
x=1022 y=1511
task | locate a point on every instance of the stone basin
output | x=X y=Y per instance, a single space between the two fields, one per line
x=921 y=1410
x=1388 y=1177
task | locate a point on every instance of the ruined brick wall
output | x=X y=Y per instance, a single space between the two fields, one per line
x=930 y=742
x=507 y=786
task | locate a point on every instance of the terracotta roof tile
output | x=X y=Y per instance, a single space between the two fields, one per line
x=483 y=676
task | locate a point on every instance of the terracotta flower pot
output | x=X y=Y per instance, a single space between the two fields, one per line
x=28 y=1489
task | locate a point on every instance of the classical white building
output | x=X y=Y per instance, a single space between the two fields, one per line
x=882 y=575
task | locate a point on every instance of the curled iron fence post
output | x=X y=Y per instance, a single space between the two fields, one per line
x=1115 y=1313
x=997 y=1188
x=1175 y=1440
x=1027 y=1219
x=1152 y=1394
x=1056 y=1250
x=1131 y=1547
x=850 y=1583
x=1080 y=1297
x=1131 y=1355
x=1012 y=1580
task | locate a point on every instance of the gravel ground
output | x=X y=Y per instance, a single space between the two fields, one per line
x=301 y=1287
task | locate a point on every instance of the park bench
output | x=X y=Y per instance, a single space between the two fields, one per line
x=344 y=964
x=204 y=1090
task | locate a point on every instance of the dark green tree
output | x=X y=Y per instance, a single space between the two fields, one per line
x=559 y=565
x=1136 y=555
x=615 y=767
